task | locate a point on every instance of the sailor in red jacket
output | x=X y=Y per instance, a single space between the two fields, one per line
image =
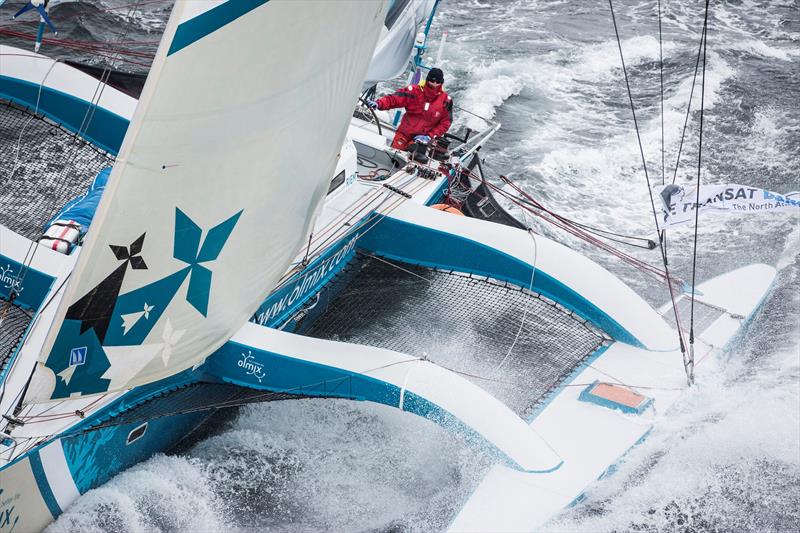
x=429 y=110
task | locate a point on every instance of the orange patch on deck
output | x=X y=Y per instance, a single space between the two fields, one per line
x=618 y=394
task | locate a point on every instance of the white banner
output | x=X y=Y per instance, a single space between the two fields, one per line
x=678 y=202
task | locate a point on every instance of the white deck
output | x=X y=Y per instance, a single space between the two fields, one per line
x=591 y=438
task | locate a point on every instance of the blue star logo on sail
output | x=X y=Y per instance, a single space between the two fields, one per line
x=189 y=250
x=135 y=313
x=155 y=298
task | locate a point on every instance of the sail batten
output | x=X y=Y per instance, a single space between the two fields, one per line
x=226 y=161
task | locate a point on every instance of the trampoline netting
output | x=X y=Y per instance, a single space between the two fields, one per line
x=13 y=324
x=514 y=343
x=42 y=167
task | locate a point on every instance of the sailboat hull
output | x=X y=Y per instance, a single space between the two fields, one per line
x=265 y=356
x=40 y=485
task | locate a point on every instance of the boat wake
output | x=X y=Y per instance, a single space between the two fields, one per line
x=298 y=465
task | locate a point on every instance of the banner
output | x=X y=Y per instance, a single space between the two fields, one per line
x=679 y=202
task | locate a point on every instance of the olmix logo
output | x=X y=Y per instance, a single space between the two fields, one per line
x=9 y=278
x=8 y=515
x=248 y=363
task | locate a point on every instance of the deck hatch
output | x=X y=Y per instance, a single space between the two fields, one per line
x=615 y=396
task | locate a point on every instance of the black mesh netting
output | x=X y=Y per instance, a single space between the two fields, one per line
x=42 y=167
x=704 y=315
x=516 y=344
x=13 y=323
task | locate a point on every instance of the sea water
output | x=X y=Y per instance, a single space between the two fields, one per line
x=725 y=458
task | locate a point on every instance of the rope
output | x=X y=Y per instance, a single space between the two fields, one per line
x=690 y=366
x=647 y=177
x=661 y=75
x=23 y=271
x=84 y=127
x=633 y=112
x=576 y=231
x=375 y=118
x=689 y=105
x=398 y=267
x=606 y=234
x=527 y=301
x=265 y=397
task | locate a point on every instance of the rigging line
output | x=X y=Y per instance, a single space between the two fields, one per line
x=527 y=199
x=92 y=108
x=356 y=209
x=661 y=75
x=59 y=415
x=22 y=343
x=347 y=217
x=638 y=387
x=220 y=405
x=633 y=112
x=690 y=365
x=295 y=276
x=641 y=387
x=86 y=121
x=689 y=104
x=20 y=277
x=565 y=222
x=644 y=165
x=388 y=196
x=581 y=234
x=398 y=267
x=527 y=300
x=602 y=233
x=467 y=111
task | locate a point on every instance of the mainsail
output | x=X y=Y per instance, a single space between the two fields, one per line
x=225 y=163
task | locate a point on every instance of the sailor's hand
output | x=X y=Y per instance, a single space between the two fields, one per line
x=425 y=139
x=372 y=104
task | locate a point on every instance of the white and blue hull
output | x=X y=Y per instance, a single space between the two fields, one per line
x=549 y=459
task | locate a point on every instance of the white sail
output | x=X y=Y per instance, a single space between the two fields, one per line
x=396 y=44
x=226 y=161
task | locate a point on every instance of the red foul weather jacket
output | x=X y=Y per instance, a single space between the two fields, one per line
x=429 y=111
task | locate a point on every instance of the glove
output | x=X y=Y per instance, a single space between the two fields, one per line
x=372 y=104
x=425 y=139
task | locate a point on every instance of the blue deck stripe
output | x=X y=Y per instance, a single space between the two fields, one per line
x=44 y=487
x=206 y=23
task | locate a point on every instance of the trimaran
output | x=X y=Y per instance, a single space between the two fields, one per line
x=239 y=201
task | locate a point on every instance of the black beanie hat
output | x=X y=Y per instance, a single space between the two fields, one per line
x=435 y=75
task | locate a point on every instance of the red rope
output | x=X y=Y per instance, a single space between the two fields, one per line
x=526 y=202
x=98 y=49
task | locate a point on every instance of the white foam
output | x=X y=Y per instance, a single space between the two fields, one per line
x=723 y=449
x=764 y=50
x=602 y=61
